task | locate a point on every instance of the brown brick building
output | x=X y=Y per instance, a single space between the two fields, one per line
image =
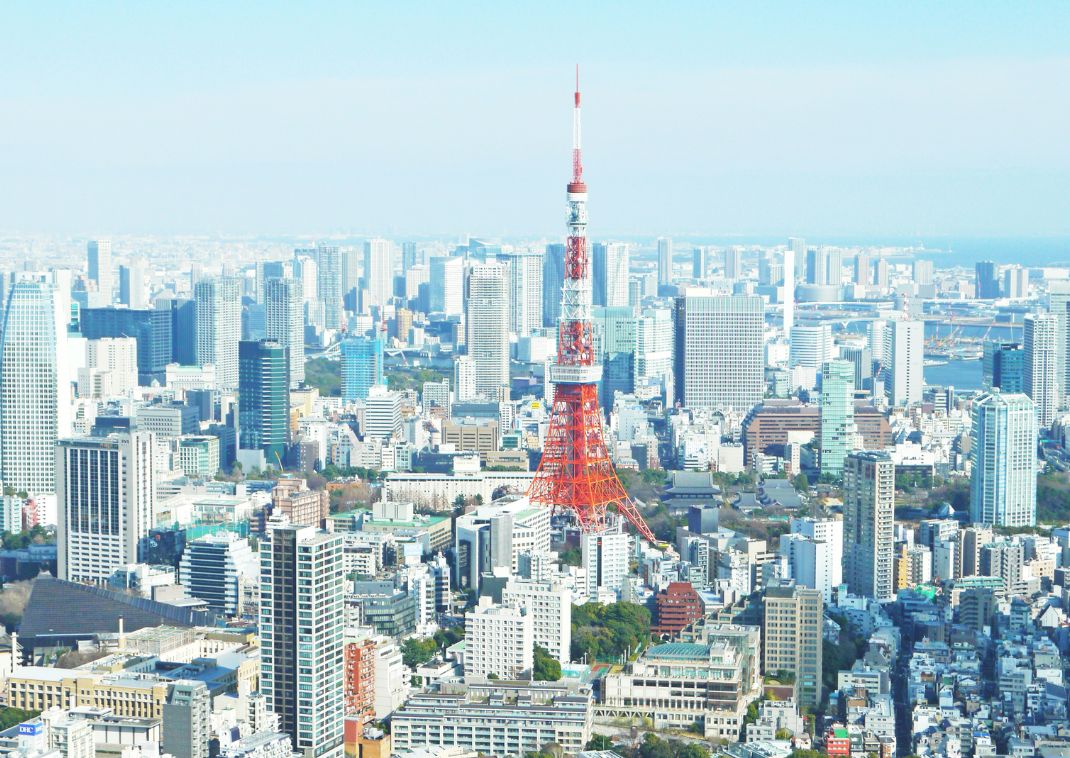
x=675 y=607
x=768 y=425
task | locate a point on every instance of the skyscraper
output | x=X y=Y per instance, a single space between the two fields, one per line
x=698 y=262
x=868 y=525
x=811 y=345
x=664 y=262
x=133 y=289
x=362 y=367
x=553 y=278
x=987 y=287
x=720 y=361
x=523 y=270
x=106 y=497
x=187 y=720
x=29 y=391
x=153 y=328
x=610 y=274
x=98 y=253
x=302 y=618
x=905 y=352
x=1003 y=366
x=863 y=268
x=1042 y=358
x=447 y=286
x=733 y=262
x=838 y=431
x=464 y=379
x=285 y=323
x=487 y=328
x=793 y=256
x=923 y=272
x=263 y=404
x=219 y=327
x=218 y=568
x=329 y=285
x=378 y=273
x=1003 y=484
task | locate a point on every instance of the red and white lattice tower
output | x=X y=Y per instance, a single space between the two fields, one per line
x=576 y=472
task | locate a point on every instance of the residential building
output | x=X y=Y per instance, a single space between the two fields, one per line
x=329 y=291
x=187 y=728
x=499 y=641
x=792 y=633
x=610 y=271
x=219 y=327
x=378 y=273
x=285 y=323
x=1043 y=370
x=664 y=262
x=300 y=505
x=550 y=606
x=1003 y=484
x=523 y=271
x=359 y=699
x=868 y=525
x=675 y=607
x=605 y=560
x=106 y=496
x=905 y=352
x=487 y=328
x=301 y=635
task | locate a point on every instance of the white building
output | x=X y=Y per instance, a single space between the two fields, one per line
x=219 y=327
x=382 y=413
x=905 y=353
x=868 y=525
x=447 y=286
x=29 y=389
x=110 y=370
x=550 y=605
x=524 y=278
x=610 y=274
x=1003 y=489
x=378 y=272
x=1043 y=357
x=106 y=493
x=392 y=677
x=499 y=640
x=605 y=561
x=284 y=318
x=811 y=346
x=100 y=269
x=829 y=563
x=464 y=378
x=219 y=569
x=487 y=328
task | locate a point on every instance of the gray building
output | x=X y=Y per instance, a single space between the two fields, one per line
x=187 y=724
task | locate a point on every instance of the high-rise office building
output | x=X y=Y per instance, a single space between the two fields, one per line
x=664 y=262
x=610 y=268
x=219 y=569
x=362 y=367
x=105 y=498
x=1016 y=282
x=824 y=266
x=699 y=262
x=329 y=285
x=98 y=253
x=408 y=256
x=923 y=272
x=499 y=641
x=811 y=345
x=1003 y=485
x=863 y=268
x=378 y=273
x=285 y=323
x=792 y=634
x=1003 y=366
x=382 y=413
x=719 y=360
x=881 y=274
x=793 y=256
x=1042 y=358
x=553 y=279
x=733 y=262
x=154 y=330
x=219 y=327
x=487 y=328
x=905 y=353
x=869 y=525
x=133 y=287
x=838 y=431
x=263 y=403
x=523 y=270
x=446 y=289
x=29 y=390
x=987 y=283
x=302 y=620
x=654 y=349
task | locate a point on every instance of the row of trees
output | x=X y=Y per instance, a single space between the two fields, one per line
x=606 y=632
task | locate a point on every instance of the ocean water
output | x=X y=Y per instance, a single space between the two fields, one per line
x=962 y=375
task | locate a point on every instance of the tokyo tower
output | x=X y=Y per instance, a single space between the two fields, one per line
x=576 y=472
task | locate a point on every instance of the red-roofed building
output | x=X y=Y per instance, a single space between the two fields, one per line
x=675 y=607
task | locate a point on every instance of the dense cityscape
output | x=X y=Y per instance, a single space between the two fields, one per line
x=578 y=493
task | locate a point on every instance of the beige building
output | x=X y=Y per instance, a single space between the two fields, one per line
x=792 y=635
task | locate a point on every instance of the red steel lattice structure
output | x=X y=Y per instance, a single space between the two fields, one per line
x=576 y=472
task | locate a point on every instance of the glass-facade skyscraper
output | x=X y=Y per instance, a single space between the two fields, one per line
x=263 y=400
x=362 y=367
x=837 y=408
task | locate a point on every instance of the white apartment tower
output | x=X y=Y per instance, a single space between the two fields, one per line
x=378 y=273
x=464 y=379
x=285 y=323
x=499 y=640
x=1043 y=356
x=905 y=352
x=605 y=561
x=1003 y=485
x=219 y=327
x=610 y=274
x=29 y=391
x=550 y=606
x=106 y=495
x=302 y=620
x=524 y=279
x=487 y=328
x=446 y=287
x=664 y=261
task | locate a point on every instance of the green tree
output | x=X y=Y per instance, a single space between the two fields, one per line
x=606 y=632
x=655 y=747
x=11 y=716
x=599 y=742
x=416 y=652
x=325 y=375
x=801 y=483
x=546 y=668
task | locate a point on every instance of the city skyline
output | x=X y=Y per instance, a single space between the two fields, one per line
x=814 y=121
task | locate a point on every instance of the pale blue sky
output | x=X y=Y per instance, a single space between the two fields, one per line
x=711 y=118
